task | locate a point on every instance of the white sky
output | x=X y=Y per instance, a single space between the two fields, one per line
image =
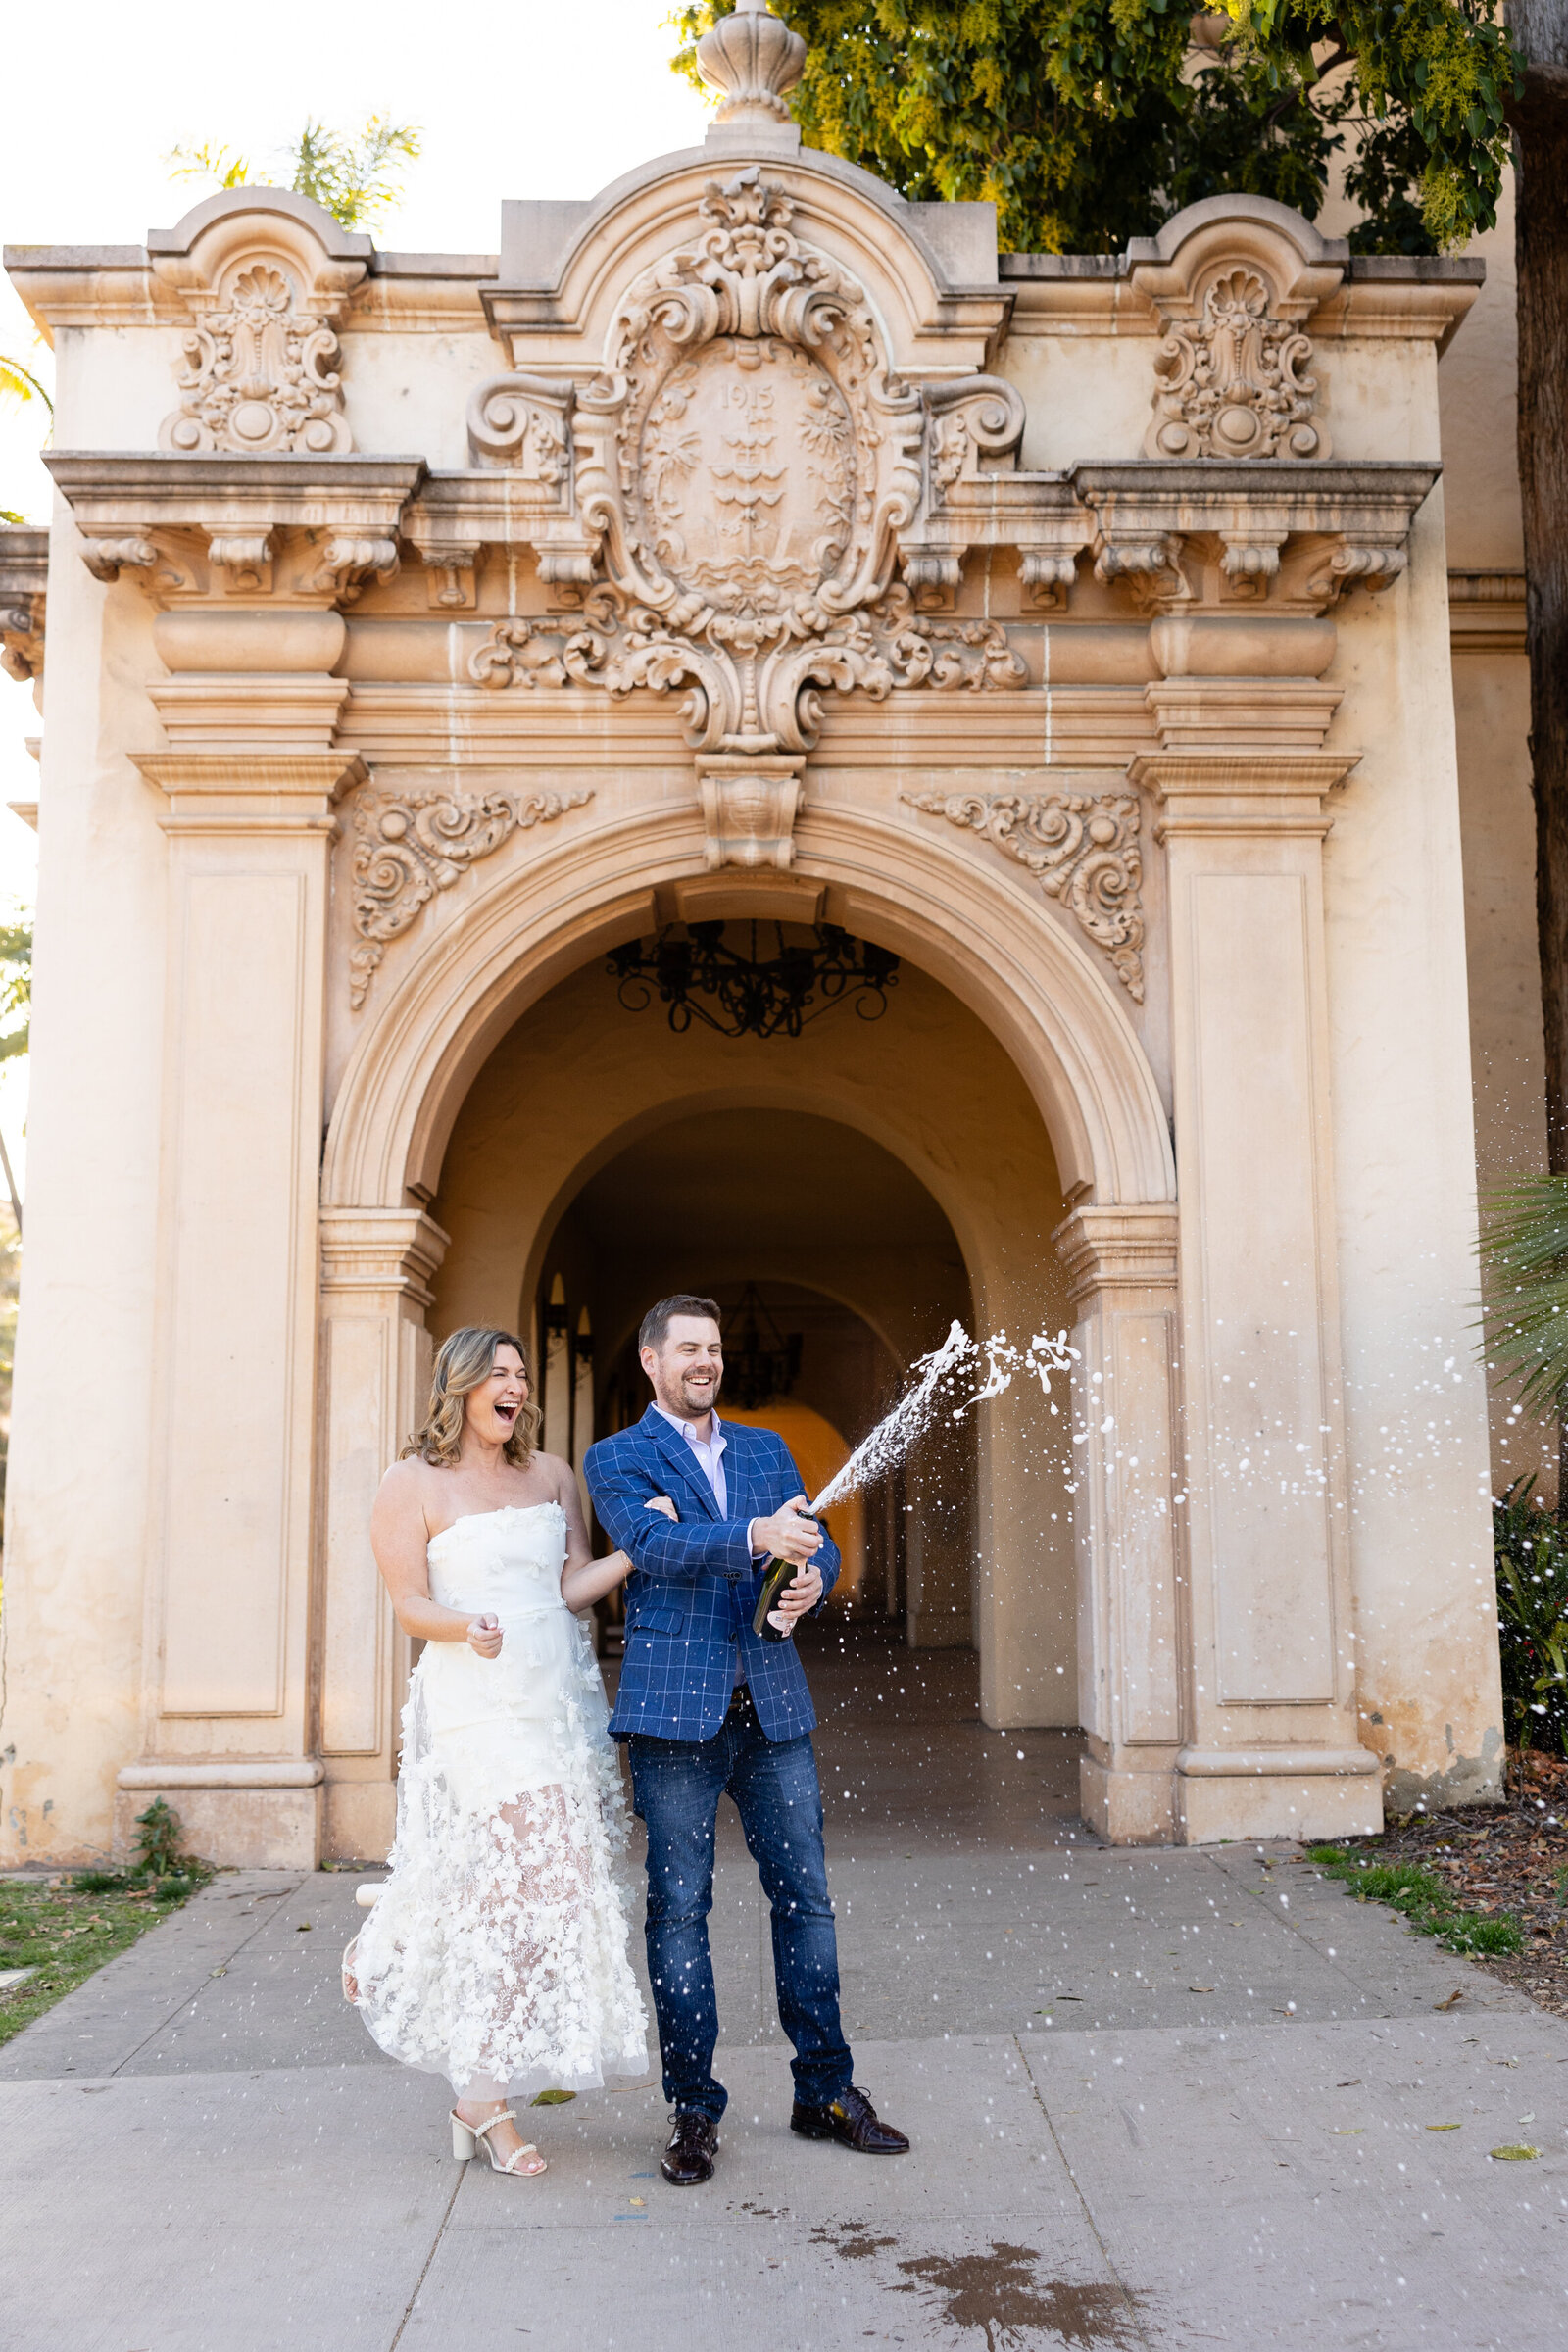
x=542 y=98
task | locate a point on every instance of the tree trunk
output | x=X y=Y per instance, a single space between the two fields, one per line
x=1539 y=119
x=1539 y=122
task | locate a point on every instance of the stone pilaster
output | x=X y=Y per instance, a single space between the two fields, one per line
x=1269 y=1730
x=228 y=1712
x=376 y=1269
x=1121 y=1272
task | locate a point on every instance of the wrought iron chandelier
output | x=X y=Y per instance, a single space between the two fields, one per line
x=758 y=1364
x=694 y=971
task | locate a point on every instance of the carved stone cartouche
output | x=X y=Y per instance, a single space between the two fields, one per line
x=259 y=375
x=1232 y=382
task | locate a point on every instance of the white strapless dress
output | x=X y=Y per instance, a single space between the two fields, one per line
x=497 y=1949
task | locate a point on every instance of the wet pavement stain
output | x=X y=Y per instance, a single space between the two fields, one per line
x=999 y=2294
x=852 y=2242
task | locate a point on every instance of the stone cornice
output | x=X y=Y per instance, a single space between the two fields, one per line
x=1486 y=612
x=1119 y=1255
x=240 y=789
x=123 y=493
x=24 y=561
x=381 y=1250
x=1370 y=501
x=1241 y=793
x=1393 y=297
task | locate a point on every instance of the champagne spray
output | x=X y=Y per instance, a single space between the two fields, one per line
x=894 y=1435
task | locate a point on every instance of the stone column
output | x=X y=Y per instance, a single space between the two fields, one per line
x=376 y=1268
x=227 y=1716
x=1270 y=1745
x=1121 y=1269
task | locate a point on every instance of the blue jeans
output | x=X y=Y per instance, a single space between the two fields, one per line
x=677 y=1784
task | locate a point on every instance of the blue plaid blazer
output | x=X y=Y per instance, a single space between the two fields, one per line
x=694 y=1583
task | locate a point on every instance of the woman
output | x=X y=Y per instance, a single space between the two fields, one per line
x=496 y=1952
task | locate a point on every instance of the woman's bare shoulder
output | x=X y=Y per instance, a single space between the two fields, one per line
x=408 y=1481
x=559 y=1473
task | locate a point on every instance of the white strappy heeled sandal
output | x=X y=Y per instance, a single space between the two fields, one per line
x=467 y=2137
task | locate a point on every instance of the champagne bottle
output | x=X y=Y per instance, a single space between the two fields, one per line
x=775 y=1576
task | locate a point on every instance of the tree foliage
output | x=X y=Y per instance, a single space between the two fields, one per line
x=15 y=986
x=356 y=177
x=1090 y=122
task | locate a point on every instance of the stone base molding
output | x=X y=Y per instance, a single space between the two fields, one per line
x=240 y=1827
x=1304 y=1794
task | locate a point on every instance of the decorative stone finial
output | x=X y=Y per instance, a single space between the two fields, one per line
x=753 y=58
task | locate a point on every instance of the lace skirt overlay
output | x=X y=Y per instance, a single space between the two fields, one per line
x=497 y=1948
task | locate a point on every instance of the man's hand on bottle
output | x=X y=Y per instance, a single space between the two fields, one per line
x=803 y=1591
x=791 y=1534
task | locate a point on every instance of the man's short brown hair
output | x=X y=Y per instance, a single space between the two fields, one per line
x=655 y=1323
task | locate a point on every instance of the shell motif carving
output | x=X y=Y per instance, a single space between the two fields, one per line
x=1232 y=380
x=1082 y=849
x=260 y=375
x=409 y=844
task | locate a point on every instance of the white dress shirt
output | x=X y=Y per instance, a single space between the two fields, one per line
x=710 y=1452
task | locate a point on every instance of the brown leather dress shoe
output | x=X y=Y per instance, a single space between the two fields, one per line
x=852 y=2119
x=688 y=2160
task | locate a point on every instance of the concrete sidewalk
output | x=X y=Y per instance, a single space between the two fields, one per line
x=1157 y=2099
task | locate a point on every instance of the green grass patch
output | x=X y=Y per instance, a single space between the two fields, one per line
x=1423 y=1900
x=65 y=1932
x=65 y=1928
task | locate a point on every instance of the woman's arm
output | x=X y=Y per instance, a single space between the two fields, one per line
x=585 y=1579
x=400 y=1538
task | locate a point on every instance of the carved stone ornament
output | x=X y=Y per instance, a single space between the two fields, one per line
x=260 y=373
x=1232 y=381
x=21 y=638
x=1082 y=847
x=409 y=844
x=884 y=650
x=749 y=811
x=745 y=464
x=753 y=58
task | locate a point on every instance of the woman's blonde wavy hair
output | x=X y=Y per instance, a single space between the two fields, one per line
x=466 y=1359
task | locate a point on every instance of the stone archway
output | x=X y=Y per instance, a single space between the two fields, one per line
x=1013 y=1011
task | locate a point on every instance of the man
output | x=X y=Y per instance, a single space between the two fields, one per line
x=707 y=1707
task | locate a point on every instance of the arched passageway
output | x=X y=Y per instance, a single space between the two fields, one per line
x=870 y=1182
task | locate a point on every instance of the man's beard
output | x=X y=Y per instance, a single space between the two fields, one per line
x=680 y=1401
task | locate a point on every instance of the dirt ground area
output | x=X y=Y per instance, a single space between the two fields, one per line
x=1511 y=1857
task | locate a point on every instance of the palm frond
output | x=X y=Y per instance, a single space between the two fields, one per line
x=1524 y=1248
x=20 y=383
x=224 y=167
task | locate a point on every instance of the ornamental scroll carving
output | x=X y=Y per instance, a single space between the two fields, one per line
x=1232 y=380
x=409 y=844
x=1082 y=849
x=259 y=375
x=884 y=649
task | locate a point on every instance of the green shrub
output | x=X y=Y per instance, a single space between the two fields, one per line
x=1530 y=1545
